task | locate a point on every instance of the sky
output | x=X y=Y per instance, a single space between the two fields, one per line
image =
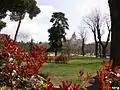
x=74 y=10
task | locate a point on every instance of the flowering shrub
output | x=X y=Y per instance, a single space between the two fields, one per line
x=109 y=79
x=18 y=67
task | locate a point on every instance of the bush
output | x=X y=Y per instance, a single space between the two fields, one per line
x=61 y=59
x=51 y=59
x=19 y=69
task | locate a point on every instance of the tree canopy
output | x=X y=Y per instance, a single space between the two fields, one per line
x=57 y=31
x=17 y=8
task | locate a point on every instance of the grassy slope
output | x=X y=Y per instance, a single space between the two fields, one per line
x=59 y=72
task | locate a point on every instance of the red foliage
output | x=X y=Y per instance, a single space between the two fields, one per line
x=49 y=86
x=65 y=85
x=107 y=64
x=105 y=75
x=76 y=86
x=24 y=63
x=88 y=76
x=18 y=64
x=81 y=73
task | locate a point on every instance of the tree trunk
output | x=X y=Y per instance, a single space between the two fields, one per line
x=68 y=48
x=115 y=31
x=83 y=45
x=18 y=28
x=96 y=49
x=90 y=49
x=104 y=52
x=96 y=44
x=100 y=50
x=55 y=53
x=83 y=53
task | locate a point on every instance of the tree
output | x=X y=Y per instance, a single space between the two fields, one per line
x=114 y=6
x=67 y=46
x=98 y=23
x=72 y=45
x=104 y=44
x=18 y=9
x=74 y=42
x=83 y=37
x=31 y=4
x=57 y=31
x=2 y=14
x=2 y=24
x=92 y=23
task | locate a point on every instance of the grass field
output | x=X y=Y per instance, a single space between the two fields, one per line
x=70 y=71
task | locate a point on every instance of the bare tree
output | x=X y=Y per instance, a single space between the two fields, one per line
x=83 y=37
x=97 y=24
x=67 y=46
x=73 y=40
x=107 y=24
x=72 y=45
x=92 y=22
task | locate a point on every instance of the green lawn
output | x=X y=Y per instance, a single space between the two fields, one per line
x=70 y=71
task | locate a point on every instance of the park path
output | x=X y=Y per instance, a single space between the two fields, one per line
x=93 y=84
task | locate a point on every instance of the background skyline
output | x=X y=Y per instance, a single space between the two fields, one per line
x=74 y=10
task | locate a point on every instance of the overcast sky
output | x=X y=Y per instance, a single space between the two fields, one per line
x=74 y=10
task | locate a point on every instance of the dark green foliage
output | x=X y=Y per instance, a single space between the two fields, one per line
x=57 y=31
x=26 y=6
x=21 y=6
x=18 y=9
x=2 y=24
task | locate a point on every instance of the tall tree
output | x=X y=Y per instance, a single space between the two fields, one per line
x=83 y=38
x=114 y=6
x=30 y=8
x=57 y=31
x=91 y=23
x=104 y=44
x=18 y=9
x=98 y=23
